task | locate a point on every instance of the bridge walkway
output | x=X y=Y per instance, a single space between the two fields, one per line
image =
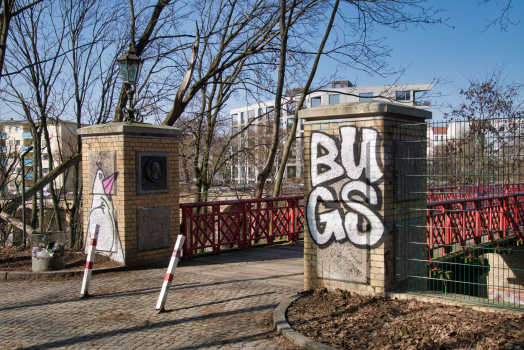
x=280 y=264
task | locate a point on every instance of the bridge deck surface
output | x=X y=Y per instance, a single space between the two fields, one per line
x=281 y=265
x=223 y=301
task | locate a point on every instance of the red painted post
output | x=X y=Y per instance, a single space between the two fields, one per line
x=183 y=230
x=215 y=223
x=170 y=273
x=447 y=229
x=84 y=291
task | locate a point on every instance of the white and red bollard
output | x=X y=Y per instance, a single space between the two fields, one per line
x=175 y=257
x=89 y=263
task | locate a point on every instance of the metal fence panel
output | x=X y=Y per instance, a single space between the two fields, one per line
x=473 y=218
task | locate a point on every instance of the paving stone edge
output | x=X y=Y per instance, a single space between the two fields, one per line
x=283 y=328
x=19 y=275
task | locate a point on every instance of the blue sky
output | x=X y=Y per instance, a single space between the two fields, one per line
x=454 y=53
x=451 y=53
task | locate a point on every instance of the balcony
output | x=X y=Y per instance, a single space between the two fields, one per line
x=28 y=162
x=25 y=148
x=27 y=135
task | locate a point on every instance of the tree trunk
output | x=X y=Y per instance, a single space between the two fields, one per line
x=262 y=177
x=291 y=137
x=56 y=210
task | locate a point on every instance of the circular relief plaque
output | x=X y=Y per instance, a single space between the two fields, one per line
x=155 y=169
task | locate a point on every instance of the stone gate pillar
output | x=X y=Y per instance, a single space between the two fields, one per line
x=363 y=162
x=130 y=189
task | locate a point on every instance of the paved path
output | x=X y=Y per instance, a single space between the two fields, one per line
x=280 y=265
x=215 y=306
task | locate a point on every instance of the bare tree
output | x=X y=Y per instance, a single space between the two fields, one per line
x=9 y=11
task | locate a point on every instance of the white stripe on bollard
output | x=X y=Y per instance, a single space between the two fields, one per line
x=170 y=273
x=89 y=263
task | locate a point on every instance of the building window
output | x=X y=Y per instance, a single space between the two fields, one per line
x=44 y=156
x=365 y=96
x=235 y=171
x=10 y=142
x=337 y=85
x=289 y=123
x=442 y=138
x=334 y=99
x=403 y=96
x=260 y=112
x=316 y=101
x=17 y=170
x=45 y=170
x=10 y=129
x=436 y=138
x=17 y=143
x=291 y=107
x=17 y=129
x=242 y=119
x=250 y=115
x=302 y=125
x=234 y=130
x=291 y=171
x=234 y=119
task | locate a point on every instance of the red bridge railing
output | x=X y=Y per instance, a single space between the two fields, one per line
x=443 y=193
x=460 y=215
x=464 y=221
x=240 y=223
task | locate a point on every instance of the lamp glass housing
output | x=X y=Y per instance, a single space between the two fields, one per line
x=130 y=65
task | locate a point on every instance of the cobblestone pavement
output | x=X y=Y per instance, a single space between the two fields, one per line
x=203 y=312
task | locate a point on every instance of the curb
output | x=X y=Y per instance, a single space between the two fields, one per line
x=280 y=323
x=17 y=275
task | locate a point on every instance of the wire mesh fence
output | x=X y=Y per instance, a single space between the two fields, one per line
x=459 y=223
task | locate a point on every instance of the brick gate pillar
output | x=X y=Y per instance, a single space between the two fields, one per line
x=353 y=156
x=130 y=188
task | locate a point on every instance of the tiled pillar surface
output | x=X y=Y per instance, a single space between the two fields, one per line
x=130 y=188
x=350 y=189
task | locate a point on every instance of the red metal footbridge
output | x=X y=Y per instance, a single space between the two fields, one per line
x=456 y=215
x=212 y=226
x=467 y=215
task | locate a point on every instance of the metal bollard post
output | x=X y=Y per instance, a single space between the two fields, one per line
x=175 y=257
x=89 y=263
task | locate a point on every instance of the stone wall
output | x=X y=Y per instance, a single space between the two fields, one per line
x=145 y=224
x=352 y=192
x=505 y=279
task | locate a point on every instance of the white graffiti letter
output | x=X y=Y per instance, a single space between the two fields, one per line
x=331 y=218
x=327 y=159
x=373 y=235
x=368 y=159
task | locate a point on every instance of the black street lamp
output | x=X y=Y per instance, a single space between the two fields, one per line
x=130 y=65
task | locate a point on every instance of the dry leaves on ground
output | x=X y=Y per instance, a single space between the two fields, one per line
x=19 y=259
x=350 y=321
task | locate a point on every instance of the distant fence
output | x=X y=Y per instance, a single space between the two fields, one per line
x=212 y=226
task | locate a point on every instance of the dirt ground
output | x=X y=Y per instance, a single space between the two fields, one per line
x=349 y=321
x=19 y=259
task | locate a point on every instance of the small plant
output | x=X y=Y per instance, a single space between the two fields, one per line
x=58 y=249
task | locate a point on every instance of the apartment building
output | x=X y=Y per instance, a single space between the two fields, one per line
x=16 y=137
x=246 y=167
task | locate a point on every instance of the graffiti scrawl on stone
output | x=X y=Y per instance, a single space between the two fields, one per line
x=102 y=212
x=343 y=203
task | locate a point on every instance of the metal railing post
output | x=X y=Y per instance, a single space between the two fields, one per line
x=23 y=189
